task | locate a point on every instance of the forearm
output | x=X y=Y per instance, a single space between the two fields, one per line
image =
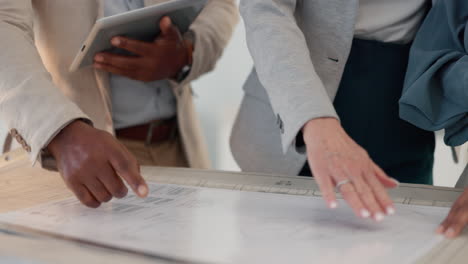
x=284 y=67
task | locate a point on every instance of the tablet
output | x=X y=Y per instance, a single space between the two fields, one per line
x=141 y=24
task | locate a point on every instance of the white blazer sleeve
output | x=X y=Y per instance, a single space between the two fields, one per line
x=30 y=104
x=213 y=29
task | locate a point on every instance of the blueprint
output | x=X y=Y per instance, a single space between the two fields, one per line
x=226 y=226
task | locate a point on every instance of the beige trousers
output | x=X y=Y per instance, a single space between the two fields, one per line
x=169 y=153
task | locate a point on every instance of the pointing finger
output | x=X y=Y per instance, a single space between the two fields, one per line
x=127 y=169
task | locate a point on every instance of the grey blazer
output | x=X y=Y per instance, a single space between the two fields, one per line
x=299 y=48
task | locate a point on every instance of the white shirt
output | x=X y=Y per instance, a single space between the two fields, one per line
x=395 y=21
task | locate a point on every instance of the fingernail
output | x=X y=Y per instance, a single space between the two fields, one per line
x=115 y=41
x=396 y=182
x=379 y=217
x=99 y=58
x=390 y=210
x=333 y=205
x=142 y=190
x=440 y=230
x=365 y=213
x=450 y=233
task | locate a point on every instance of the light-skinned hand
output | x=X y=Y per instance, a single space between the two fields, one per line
x=334 y=157
x=457 y=219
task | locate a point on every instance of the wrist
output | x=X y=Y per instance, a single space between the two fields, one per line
x=60 y=139
x=318 y=123
x=320 y=126
x=188 y=45
x=185 y=68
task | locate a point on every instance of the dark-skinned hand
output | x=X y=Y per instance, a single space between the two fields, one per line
x=457 y=219
x=94 y=164
x=158 y=60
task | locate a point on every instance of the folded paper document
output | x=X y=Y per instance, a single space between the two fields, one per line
x=208 y=225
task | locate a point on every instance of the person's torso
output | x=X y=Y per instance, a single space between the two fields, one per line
x=328 y=28
x=60 y=27
x=395 y=21
x=135 y=102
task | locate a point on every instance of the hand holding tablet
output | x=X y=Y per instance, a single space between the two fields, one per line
x=160 y=59
x=141 y=24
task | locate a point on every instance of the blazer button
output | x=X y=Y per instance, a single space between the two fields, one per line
x=25 y=145
x=280 y=123
x=14 y=132
x=27 y=148
x=20 y=140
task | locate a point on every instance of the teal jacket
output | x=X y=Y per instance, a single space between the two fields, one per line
x=435 y=95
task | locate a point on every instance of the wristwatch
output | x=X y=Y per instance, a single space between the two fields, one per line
x=188 y=42
x=183 y=73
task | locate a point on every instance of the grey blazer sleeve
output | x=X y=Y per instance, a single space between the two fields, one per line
x=282 y=61
x=435 y=95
